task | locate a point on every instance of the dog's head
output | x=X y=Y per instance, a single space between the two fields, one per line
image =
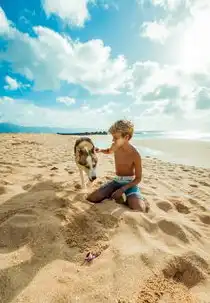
x=86 y=157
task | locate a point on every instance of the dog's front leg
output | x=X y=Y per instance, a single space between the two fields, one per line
x=82 y=179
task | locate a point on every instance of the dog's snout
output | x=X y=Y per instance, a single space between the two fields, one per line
x=92 y=178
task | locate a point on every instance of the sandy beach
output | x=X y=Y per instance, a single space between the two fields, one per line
x=47 y=227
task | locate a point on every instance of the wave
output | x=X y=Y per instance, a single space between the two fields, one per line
x=187 y=135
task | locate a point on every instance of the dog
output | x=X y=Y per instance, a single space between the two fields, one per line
x=86 y=159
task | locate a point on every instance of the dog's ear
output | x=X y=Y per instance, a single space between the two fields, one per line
x=79 y=151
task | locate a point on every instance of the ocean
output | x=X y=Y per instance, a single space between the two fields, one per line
x=187 y=135
x=180 y=153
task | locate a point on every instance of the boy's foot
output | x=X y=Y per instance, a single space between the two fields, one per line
x=138 y=204
x=144 y=205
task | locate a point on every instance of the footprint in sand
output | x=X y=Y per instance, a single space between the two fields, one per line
x=165 y=206
x=27 y=187
x=193 y=185
x=172 y=229
x=195 y=203
x=70 y=172
x=205 y=219
x=194 y=232
x=2 y=190
x=204 y=183
x=183 y=209
x=186 y=169
x=54 y=168
x=77 y=186
x=154 y=187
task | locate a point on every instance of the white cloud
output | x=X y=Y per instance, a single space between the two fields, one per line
x=49 y=58
x=155 y=31
x=173 y=5
x=171 y=94
x=66 y=100
x=23 y=112
x=203 y=98
x=6 y=99
x=155 y=118
x=150 y=79
x=170 y=4
x=187 y=23
x=12 y=84
x=4 y=23
x=126 y=110
x=195 y=45
x=107 y=109
x=74 y=12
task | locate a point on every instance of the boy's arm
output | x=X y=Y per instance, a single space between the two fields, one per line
x=107 y=151
x=138 y=173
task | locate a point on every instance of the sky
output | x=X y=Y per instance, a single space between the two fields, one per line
x=88 y=63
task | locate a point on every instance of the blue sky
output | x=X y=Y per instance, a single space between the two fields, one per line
x=86 y=63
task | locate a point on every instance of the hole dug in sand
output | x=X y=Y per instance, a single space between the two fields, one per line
x=173 y=284
x=183 y=270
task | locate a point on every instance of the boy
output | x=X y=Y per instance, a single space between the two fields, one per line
x=128 y=169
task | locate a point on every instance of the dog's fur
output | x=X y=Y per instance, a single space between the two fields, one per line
x=85 y=158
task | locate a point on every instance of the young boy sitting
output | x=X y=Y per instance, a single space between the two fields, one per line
x=128 y=168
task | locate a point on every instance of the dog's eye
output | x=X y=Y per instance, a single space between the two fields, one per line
x=87 y=166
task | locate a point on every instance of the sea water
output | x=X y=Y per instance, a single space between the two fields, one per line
x=155 y=153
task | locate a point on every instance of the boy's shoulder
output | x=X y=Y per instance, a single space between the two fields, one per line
x=134 y=150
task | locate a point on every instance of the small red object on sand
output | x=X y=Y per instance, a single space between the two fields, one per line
x=90 y=256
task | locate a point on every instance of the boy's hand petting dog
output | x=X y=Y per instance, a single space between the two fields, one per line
x=117 y=194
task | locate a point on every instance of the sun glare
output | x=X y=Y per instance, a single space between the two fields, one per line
x=195 y=43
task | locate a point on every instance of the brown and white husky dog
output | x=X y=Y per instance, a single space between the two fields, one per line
x=85 y=158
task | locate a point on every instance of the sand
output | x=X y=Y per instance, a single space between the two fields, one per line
x=47 y=227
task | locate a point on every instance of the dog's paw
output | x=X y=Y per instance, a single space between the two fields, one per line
x=77 y=186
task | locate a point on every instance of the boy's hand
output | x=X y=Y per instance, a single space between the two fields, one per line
x=97 y=150
x=117 y=194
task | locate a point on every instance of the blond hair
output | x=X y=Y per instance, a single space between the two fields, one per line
x=124 y=127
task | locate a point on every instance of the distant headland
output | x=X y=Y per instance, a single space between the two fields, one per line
x=84 y=133
x=6 y=127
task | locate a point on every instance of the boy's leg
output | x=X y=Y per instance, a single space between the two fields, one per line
x=135 y=200
x=104 y=192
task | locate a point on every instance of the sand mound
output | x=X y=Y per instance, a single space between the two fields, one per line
x=47 y=227
x=89 y=231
